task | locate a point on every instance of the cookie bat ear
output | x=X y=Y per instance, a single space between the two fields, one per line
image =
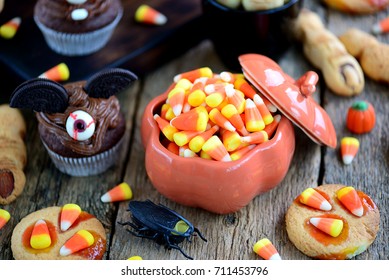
x=40 y=95
x=109 y=82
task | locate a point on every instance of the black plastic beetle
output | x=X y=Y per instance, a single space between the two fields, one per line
x=161 y=224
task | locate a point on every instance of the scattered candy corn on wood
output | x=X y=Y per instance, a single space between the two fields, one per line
x=8 y=30
x=349 y=147
x=265 y=249
x=4 y=217
x=58 y=73
x=214 y=116
x=135 y=258
x=120 y=192
x=146 y=14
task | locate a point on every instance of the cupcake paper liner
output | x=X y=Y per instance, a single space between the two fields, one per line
x=78 y=43
x=86 y=166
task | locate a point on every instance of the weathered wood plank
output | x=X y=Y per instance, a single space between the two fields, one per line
x=229 y=236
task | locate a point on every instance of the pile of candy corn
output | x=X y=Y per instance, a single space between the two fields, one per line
x=215 y=116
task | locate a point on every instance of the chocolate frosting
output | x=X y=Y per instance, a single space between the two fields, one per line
x=56 y=14
x=105 y=112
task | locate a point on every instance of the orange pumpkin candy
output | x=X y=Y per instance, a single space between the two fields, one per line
x=360 y=117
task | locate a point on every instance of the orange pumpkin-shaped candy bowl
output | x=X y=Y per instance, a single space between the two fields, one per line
x=219 y=187
x=227 y=186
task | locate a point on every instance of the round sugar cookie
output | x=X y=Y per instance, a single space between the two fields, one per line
x=20 y=240
x=357 y=233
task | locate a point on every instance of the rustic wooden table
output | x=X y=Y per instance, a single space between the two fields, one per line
x=230 y=236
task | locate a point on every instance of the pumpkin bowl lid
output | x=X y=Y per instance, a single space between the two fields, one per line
x=293 y=98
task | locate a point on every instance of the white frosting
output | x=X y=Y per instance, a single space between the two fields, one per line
x=79 y=14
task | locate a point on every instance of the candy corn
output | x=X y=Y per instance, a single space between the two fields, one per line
x=173 y=147
x=196 y=97
x=231 y=140
x=58 y=73
x=231 y=113
x=120 y=192
x=184 y=151
x=9 y=29
x=257 y=137
x=81 y=240
x=40 y=237
x=4 y=217
x=242 y=85
x=149 y=15
x=215 y=99
x=253 y=118
x=241 y=152
x=167 y=129
x=215 y=148
x=196 y=119
x=265 y=249
x=194 y=74
x=183 y=137
x=348 y=196
x=135 y=258
x=263 y=110
x=271 y=128
x=176 y=99
x=185 y=84
x=197 y=142
x=381 y=26
x=329 y=226
x=314 y=199
x=348 y=149
x=69 y=214
x=236 y=98
x=217 y=117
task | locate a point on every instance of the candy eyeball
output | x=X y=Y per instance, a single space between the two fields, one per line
x=80 y=125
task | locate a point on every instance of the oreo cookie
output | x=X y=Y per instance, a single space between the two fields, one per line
x=40 y=95
x=109 y=82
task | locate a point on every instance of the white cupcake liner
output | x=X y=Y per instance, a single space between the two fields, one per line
x=86 y=166
x=78 y=43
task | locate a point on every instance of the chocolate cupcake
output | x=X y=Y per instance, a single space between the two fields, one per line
x=77 y=27
x=80 y=123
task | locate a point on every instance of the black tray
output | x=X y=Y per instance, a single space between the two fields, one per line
x=137 y=47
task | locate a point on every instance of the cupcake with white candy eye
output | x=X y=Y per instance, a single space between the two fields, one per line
x=77 y=27
x=80 y=124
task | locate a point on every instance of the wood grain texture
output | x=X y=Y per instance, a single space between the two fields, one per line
x=229 y=236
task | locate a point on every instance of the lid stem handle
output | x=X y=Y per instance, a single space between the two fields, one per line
x=307 y=83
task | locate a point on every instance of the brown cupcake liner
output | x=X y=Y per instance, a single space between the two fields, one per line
x=80 y=43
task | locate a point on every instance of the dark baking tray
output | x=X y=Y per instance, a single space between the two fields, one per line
x=137 y=47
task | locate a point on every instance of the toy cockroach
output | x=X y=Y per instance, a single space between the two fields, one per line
x=161 y=224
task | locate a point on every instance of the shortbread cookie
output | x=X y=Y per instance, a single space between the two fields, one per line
x=51 y=244
x=355 y=222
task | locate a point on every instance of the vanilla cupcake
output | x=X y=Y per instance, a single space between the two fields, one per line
x=77 y=27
